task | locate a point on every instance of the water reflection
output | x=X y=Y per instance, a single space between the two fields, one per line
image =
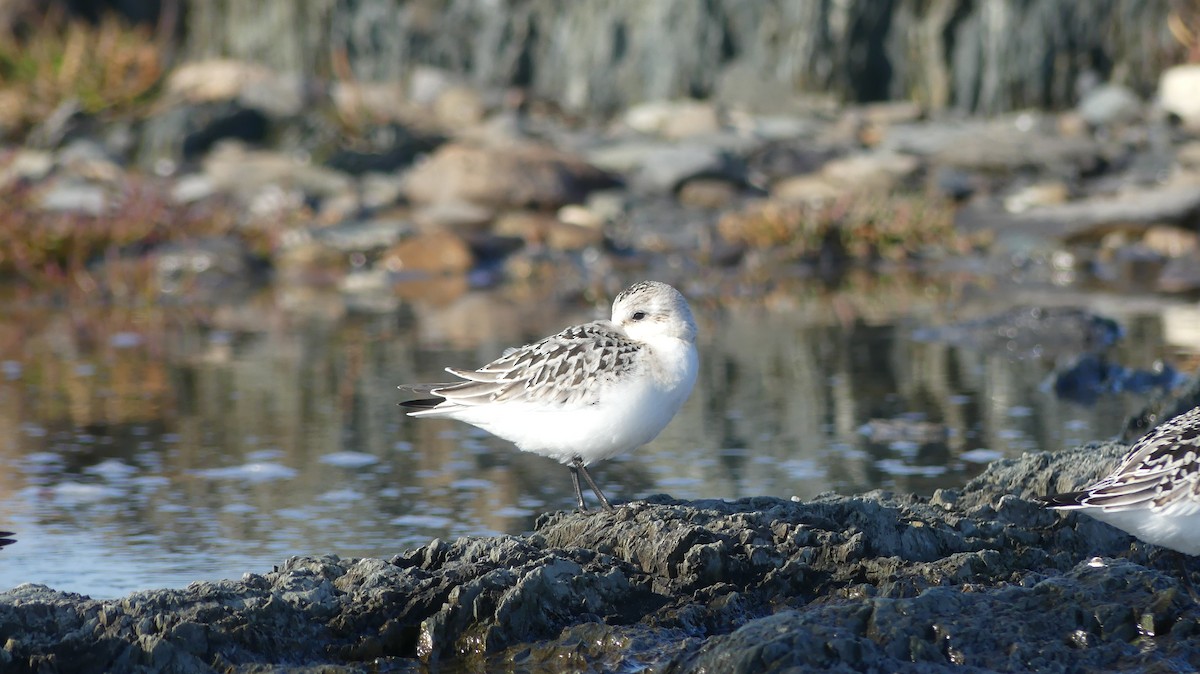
x=153 y=446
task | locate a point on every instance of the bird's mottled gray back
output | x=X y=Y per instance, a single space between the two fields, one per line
x=568 y=368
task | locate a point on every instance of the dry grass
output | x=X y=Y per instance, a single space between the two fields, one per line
x=890 y=227
x=108 y=66
x=89 y=253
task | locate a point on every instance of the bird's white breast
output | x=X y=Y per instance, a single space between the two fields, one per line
x=1174 y=528
x=630 y=411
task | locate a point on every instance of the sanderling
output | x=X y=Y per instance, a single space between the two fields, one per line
x=587 y=393
x=1155 y=493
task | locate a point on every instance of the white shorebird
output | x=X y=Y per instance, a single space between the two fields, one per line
x=587 y=393
x=1155 y=493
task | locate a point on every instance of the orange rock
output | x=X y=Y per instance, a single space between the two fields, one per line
x=1170 y=241
x=458 y=107
x=433 y=252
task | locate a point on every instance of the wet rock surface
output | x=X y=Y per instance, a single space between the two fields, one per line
x=981 y=578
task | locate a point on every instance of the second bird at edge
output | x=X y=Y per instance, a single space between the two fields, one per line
x=1154 y=493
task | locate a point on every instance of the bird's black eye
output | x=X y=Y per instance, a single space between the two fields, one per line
x=638 y=315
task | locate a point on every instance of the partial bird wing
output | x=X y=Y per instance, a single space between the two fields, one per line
x=424 y=390
x=1161 y=470
x=6 y=538
x=570 y=367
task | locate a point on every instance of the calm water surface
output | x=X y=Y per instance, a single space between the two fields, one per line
x=154 y=446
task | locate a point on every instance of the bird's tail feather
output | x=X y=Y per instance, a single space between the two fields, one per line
x=1073 y=499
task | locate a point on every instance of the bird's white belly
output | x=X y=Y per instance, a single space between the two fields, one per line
x=627 y=417
x=1178 y=530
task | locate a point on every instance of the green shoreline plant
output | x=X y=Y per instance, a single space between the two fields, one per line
x=106 y=66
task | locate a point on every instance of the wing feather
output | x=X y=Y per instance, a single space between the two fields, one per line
x=566 y=368
x=1160 y=469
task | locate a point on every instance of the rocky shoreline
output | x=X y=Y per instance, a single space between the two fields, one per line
x=976 y=579
x=215 y=179
x=228 y=175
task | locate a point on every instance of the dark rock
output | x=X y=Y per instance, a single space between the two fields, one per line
x=980 y=577
x=1181 y=274
x=186 y=132
x=384 y=149
x=205 y=270
x=1166 y=405
x=1047 y=332
x=1024 y=628
x=1092 y=375
x=954 y=183
x=225 y=122
x=785 y=159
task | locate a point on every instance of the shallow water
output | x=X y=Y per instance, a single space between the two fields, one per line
x=154 y=446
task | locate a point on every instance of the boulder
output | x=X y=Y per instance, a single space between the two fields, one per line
x=673 y=119
x=251 y=84
x=661 y=167
x=1181 y=274
x=1179 y=93
x=1136 y=208
x=431 y=252
x=458 y=107
x=268 y=181
x=524 y=175
x=1110 y=104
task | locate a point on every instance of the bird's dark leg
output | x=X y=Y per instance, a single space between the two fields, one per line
x=575 y=481
x=578 y=467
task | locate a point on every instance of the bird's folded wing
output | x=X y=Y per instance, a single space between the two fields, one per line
x=567 y=368
x=1154 y=485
